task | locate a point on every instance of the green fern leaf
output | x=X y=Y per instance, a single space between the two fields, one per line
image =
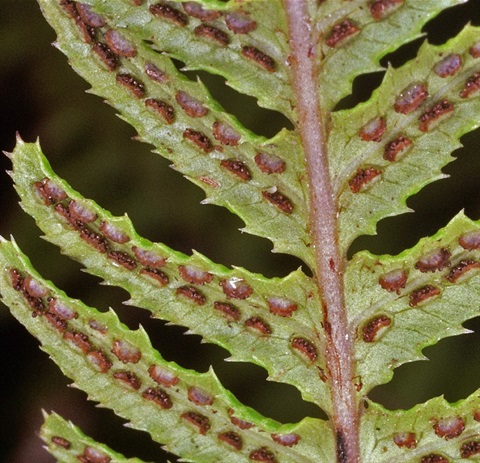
x=312 y=190
x=119 y=368
x=68 y=444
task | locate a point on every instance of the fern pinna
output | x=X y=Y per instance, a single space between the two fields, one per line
x=311 y=190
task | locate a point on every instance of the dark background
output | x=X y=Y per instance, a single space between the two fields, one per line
x=90 y=147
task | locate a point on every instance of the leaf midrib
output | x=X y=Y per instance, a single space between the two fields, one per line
x=323 y=229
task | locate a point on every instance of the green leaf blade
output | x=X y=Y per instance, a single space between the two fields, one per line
x=119 y=368
x=372 y=178
x=437 y=427
x=67 y=443
x=258 y=24
x=361 y=52
x=222 y=160
x=405 y=303
x=253 y=317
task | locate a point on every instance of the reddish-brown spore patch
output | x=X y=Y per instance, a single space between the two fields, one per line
x=212 y=33
x=119 y=44
x=100 y=360
x=80 y=340
x=305 y=348
x=470 y=240
x=394 y=281
x=434 y=458
x=61 y=442
x=163 y=109
x=238 y=422
x=202 y=423
x=262 y=454
x=434 y=260
x=35 y=303
x=411 y=98
x=281 y=306
x=362 y=178
x=148 y=258
x=434 y=113
x=16 y=278
x=237 y=168
x=159 y=396
x=287 y=440
x=225 y=134
x=405 y=439
x=199 y=139
x=126 y=352
x=197 y=11
x=472 y=85
x=94 y=239
x=269 y=163
x=395 y=147
x=340 y=32
x=162 y=376
x=194 y=275
x=33 y=288
x=228 y=310
x=97 y=326
x=192 y=293
x=156 y=274
x=155 y=74
x=132 y=84
x=254 y=54
x=236 y=288
x=123 y=259
x=231 y=438
x=89 y=32
x=475 y=50
x=164 y=11
x=91 y=455
x=450 y=427
x=191 y=106
x=240 y=23
x=128 y=378
x=65 y=213
x=108 y=57
x=448 y=66
x=199 y=396
x=210 y=182
x=259 y=325
x=49 y=191
x=469 y=449
x=57 y=322
x=69 y=7
x=371 y=330
x=113 y=233
x=461 y=269
x=61 y=310
x=419 y=295
x=279 y=200
x=88 y=16
x=373 y=130
x=80 y=212
x=380 y=8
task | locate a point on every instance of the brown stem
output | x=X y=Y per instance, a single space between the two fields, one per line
x=323 y=220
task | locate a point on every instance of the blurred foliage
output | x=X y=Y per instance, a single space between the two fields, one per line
x=91 y=148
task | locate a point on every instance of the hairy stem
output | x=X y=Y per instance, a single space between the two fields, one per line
x=323 y=221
